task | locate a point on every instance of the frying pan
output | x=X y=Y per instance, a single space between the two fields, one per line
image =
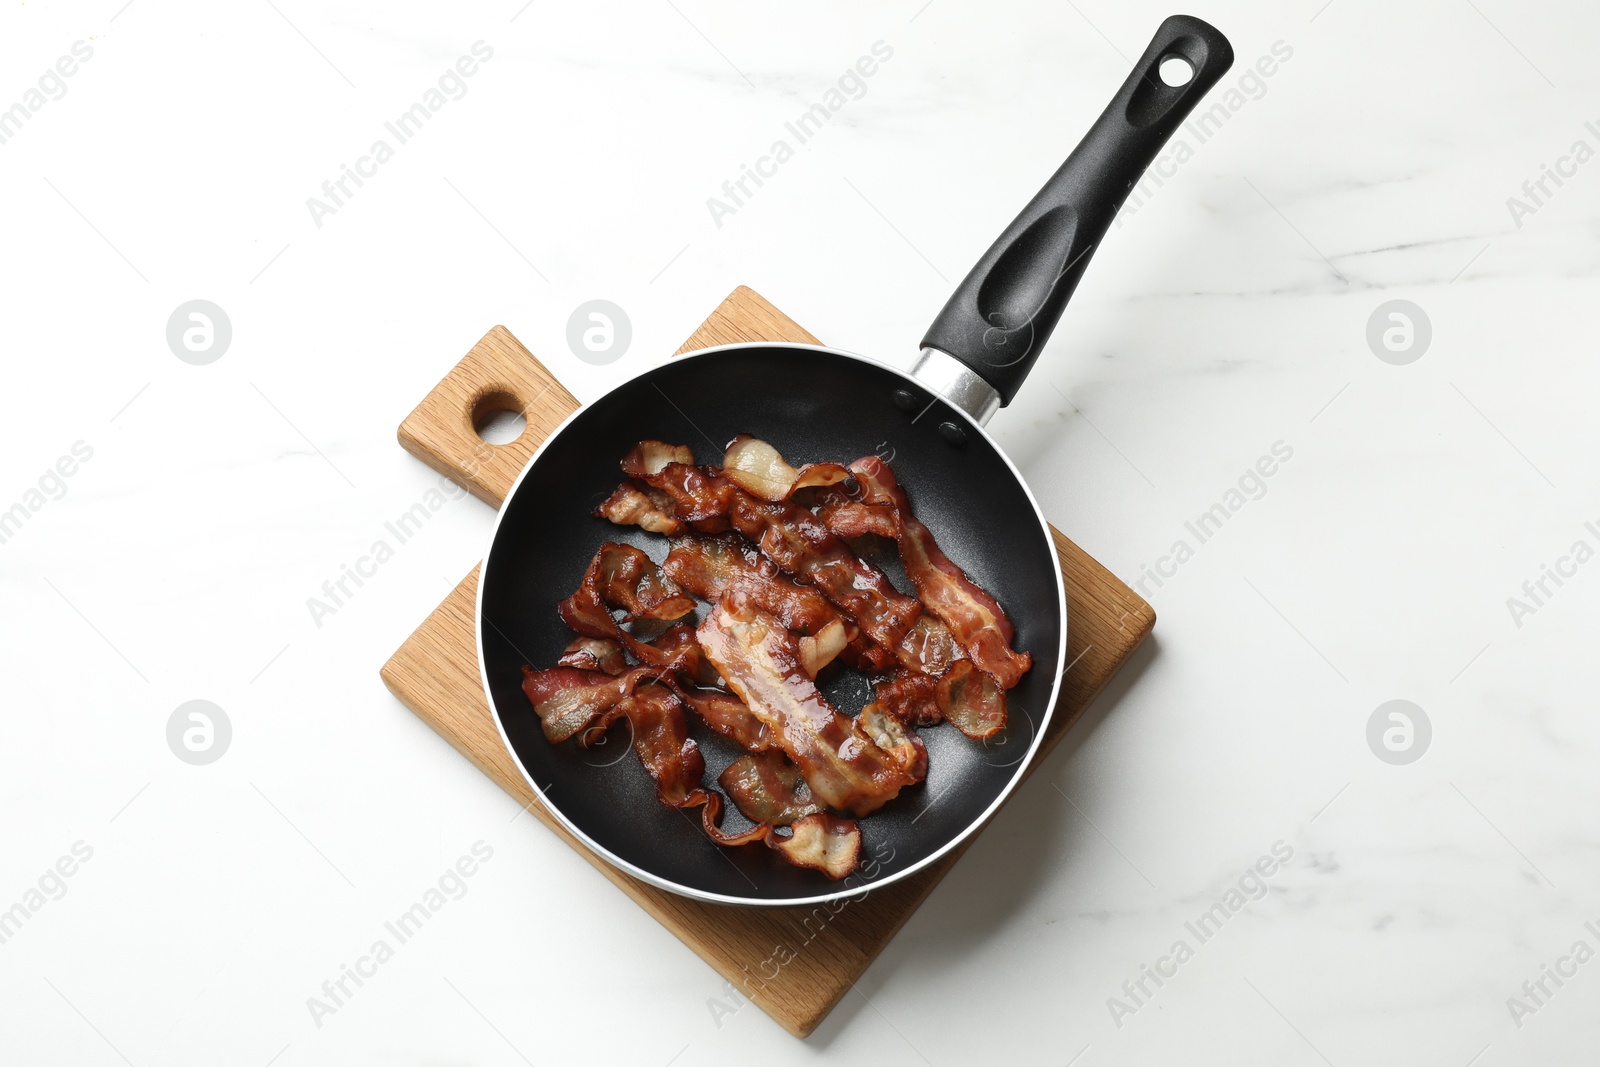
x=817 y=403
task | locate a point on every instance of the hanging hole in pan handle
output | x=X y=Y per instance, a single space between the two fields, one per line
x=1176 y=71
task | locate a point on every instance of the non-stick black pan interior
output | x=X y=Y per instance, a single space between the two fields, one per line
x=813 y=405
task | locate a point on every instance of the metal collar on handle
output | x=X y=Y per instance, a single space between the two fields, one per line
x=952 y=380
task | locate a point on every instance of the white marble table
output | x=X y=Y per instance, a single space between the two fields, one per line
x=1394 y=154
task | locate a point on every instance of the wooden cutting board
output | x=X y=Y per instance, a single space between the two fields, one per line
x=435 y=674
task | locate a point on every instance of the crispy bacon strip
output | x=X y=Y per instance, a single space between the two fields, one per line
x=975 y=617
x=595 y=654
x=568 y=700
x=849 y=517
x=896 y=738
x=972 y=700
x=789 y=535
x=757 y=657
x=662 y=742
x=647 y=508
x=630 y=580
x=587 y=612
x=794 y=539
x=727 y=715
x=768 y=788
x=822 y=842
x=759 y=469
x=929 y=647
x=910 y=697
x=708 y=567
x=652 y=457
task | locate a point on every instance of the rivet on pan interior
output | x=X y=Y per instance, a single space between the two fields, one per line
x=953 y=434
x=904 y=400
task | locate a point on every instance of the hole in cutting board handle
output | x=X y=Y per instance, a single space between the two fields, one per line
x=497 y=418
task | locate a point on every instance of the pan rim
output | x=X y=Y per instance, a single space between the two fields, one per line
x=667 y=884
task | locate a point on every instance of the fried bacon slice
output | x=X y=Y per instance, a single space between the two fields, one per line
x=652 y=457
x=896 y=738
x=795 y=539
x=758 y=469
x=767 y=788
x=630 y=580
x=662 y=742
x=568 y=699
x=910 y=697
x=821 y=842
x=588 y=611
x=595 y=654
x=850 y=517
x=727 y=715
x=789 y=535
x=708 y=567
x=757 y=657
x=699 y=497
x=642 y=506
x=929 y=647
x=975 y=617
x=971 y=700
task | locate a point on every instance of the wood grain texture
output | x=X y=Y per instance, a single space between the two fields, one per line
x=498 y=374
x=794 y=964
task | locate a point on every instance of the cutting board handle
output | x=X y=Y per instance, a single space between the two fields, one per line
x=498 y=374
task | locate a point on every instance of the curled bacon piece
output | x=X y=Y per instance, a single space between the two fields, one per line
x=662 y=742
x=568 y=700
x=975 y=617
x=708 y=567
x=823 y=843
x=630 y=580
x=850 y=517
x=972 y=700
x=789 y=535
x=767 y=787
x=929 y=647
x=896 y=738
x=648 y=508
x=795 y=539
x=652 y=457
x=757 y=657
x=820 y=841
x=588 y=610
x=910 y=697
x=594 y=654
x=727 y=715
x=759 y=469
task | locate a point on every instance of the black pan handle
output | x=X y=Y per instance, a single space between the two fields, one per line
x=998 y=320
